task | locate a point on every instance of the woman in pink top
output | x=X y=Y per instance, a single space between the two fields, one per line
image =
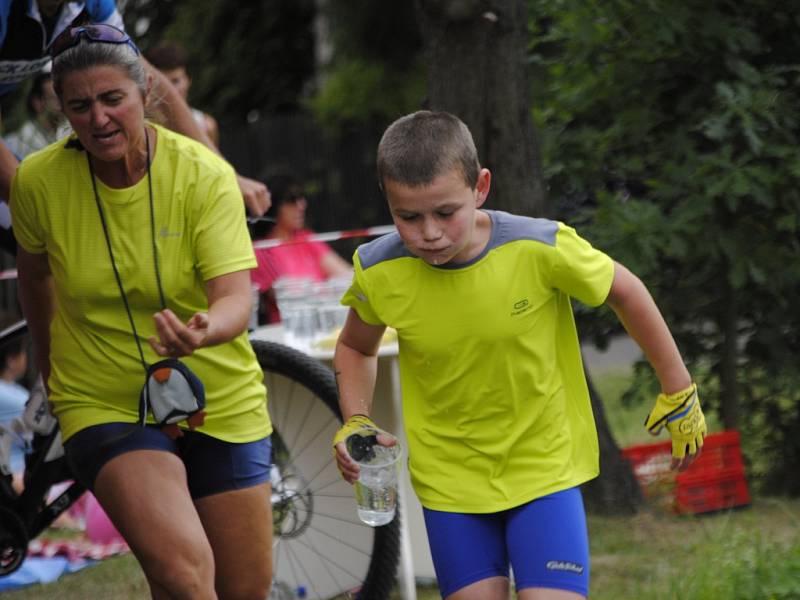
x=316 y=261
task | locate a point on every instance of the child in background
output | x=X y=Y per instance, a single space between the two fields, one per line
x=171 y=59
x=495 y=404
x=13 y=366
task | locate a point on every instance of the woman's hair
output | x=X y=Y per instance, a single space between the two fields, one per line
x=88 y=54
x=283 y=187
x=417 y=148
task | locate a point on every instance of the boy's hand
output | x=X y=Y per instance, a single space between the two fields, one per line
x=680 y=413
x=347 y=466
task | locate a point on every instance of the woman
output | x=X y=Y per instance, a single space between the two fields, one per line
x=296 y=257
x=129 y=231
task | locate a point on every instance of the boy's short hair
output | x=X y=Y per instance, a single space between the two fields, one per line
x=417 y=148
x=168 y=55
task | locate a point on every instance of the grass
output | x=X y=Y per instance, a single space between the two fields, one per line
x=746 y=554
x=117 y=578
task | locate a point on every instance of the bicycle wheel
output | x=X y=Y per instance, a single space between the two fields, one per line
x=319 y=543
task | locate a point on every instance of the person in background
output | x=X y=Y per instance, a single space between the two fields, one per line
x=133 y=247
x=46 y=123
x=495 y=403
x=13 y=366
x=298 y=257
x=171 y=59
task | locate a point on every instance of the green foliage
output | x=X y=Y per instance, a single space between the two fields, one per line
x=356 y=91
x=674 y=128
x=751 y=567
x=244 y=56
x=376 y=72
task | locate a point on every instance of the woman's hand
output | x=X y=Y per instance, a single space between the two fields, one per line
x=256 y=195
x=176 y=339
x=230 y=303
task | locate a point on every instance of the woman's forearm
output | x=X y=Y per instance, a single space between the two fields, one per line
x=230 y=304
x=37 y=299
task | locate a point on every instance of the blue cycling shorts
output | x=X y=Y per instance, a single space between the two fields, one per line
x=545 y=542
x=212 y=466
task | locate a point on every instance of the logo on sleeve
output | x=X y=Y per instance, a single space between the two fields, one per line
x=520 y=307
x=564 y=565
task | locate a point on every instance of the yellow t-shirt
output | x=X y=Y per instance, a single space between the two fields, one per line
x=495 y=403
x=200 y=232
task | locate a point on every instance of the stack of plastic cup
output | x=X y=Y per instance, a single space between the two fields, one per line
x=298 y=313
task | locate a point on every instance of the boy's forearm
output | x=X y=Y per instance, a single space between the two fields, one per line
x=355 y=378
x=638 y=313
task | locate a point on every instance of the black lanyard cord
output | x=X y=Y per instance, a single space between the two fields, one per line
x=111 y=252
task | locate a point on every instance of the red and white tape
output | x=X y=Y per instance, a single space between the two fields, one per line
x=330 y=236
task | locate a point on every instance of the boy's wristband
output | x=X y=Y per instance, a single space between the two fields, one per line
x=352 y=425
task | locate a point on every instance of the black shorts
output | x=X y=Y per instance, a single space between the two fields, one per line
x=212 y=465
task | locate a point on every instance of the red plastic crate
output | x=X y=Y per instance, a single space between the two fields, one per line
x=718 y=468
x=721 y=451
x=727 y=489
x=650 y=463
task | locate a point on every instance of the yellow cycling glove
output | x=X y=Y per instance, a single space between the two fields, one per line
x=355 y=424
x=680 y=413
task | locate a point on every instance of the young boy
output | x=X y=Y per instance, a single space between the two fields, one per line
x=496 y=408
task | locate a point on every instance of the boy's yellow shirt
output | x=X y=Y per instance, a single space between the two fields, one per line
x=200 y=232
x=495 y=402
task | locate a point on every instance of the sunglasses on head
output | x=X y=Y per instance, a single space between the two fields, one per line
x=99 y=33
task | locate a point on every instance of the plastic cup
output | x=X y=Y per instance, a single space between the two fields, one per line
x=376 y=487
x=304 y=325
x=332 y=318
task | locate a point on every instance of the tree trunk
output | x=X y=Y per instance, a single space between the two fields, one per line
x=729 y=385
x=475 y=53
x=616 y=490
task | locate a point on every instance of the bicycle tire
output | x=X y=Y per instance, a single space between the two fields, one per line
x=319 y=544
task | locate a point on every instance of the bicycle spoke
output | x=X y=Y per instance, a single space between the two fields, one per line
x=319 y=542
